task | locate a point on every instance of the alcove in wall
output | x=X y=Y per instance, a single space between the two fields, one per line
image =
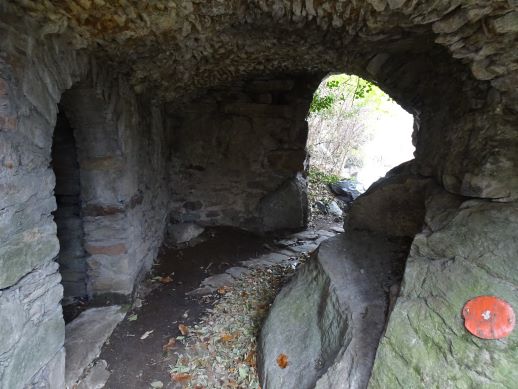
x=72 y=256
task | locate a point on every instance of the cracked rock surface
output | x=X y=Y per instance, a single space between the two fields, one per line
x=328 y=320
x=473 y=253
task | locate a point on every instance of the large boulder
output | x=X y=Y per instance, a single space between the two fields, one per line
x=345 y=190
x=287 y=207
x=328 y=320
x=465 y=252
x=177 y=233
x=394 y=205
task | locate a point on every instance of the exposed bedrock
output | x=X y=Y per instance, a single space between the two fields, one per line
x=464 y=252
x=287 y=207
x=463 y=248
x=394 y=205
x=328 y=320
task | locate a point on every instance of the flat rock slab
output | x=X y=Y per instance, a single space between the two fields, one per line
x=305 y=235
x=304 y=248
x=328 y=320
x=183 y=232
x=326 y=233
x=288 y=252
x=96 y=376
x=292 y=247
x=218 y=281
x=267 y=260
x=286 y=242
x=85 y=336
x=213 y=283
x=237 y=272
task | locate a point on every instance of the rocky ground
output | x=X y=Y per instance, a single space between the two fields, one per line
x=197 y=317
x=196 y=322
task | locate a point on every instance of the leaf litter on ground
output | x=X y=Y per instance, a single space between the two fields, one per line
x=146 y=334
x=220 y=350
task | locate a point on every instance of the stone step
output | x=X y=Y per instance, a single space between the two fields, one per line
x=84 y=338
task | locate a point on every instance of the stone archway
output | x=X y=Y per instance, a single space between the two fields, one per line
x=451 y=64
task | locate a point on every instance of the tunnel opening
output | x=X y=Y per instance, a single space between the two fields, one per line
x=361 y=168
x=356 y=134
x=68 y=218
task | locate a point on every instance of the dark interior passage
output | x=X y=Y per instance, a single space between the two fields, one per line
x=71 y=256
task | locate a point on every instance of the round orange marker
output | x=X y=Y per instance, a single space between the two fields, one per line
x=488 y=317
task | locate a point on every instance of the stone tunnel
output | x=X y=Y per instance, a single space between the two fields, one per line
x=121 y=118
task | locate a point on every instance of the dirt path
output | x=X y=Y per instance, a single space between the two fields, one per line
x=135 y=363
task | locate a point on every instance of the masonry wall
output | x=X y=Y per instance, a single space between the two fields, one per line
x=464 y=129
x=121 y=196
x=123 y=192
x=237 y=155
x=137 y=167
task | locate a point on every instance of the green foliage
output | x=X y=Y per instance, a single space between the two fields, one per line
x=363 y=89
x=342 y=88
x=339 y=114
x=333 y=84
x=321 y=103
x=317 y=176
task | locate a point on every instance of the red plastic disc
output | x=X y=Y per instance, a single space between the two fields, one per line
x=488 y=317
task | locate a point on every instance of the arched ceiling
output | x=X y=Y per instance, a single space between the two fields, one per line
x=176 y=47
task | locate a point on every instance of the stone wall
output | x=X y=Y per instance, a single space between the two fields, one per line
x=122 y=182
x=32 y=327
x=238 y=151
x=459 y=50
x=122 y=192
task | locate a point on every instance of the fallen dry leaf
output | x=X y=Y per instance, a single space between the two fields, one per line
x=223 y=333
x=146 y=334
x=165 y=280
x=250 y=359
x=282 y=361
x=226 y=337
x=183 y=329
x=180 y=377
x=169 y=345
x=223 y=290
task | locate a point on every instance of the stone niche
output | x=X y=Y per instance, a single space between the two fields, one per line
x=67 y=216
x=118 y=157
